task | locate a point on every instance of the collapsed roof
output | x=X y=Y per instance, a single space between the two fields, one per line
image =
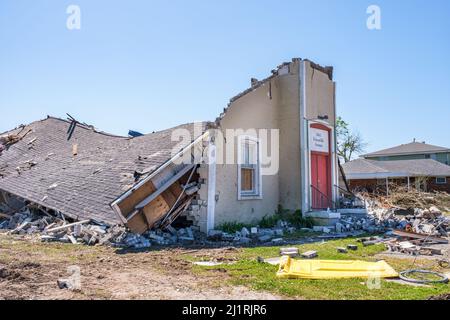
x=75 y=170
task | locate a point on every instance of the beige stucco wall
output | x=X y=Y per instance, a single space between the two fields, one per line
x=320 y=95
x=273 y=105
x=256 y=110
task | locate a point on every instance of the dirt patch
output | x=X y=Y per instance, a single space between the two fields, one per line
x=10 y=274
x=31 y=271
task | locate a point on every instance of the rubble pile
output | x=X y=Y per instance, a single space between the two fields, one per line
x=411 y=211
x=50 y=228
x=46 y=227
x=412 y=220
x=255 y=235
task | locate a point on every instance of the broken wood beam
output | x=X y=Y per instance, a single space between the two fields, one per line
x=163 y=188
x=414 y=235
x=67 y=226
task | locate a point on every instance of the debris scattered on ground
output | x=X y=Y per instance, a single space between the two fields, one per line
x=291 y=252
x=411 y=220
x=309 y=254
x=272 y=261
x=342 y=250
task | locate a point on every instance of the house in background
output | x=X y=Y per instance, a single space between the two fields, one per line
x=424 y=166
x=413 y=150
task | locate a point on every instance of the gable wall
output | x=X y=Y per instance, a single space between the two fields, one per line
x=257 y=110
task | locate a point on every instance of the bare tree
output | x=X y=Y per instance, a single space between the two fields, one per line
x=348 y=143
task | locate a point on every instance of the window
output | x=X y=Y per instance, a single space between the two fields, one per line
x=441 y=180
x=249 y=179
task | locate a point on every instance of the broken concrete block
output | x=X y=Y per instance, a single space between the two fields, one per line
x=66 y=284
x=279 y=232
x=272 y=261
x=353 y=247
x=277 y=240
x=156 y=238
x=186 y=240
x=245 y=232
x=317 y=228
x=245 y=240
x=77 y=230
x=215 y=235
x=291 y=229
x=227 y=237
x=265 y=238
x=310 y=254
x=342 y=250
x=292 y=252
x=189 y=232
x=254 y=231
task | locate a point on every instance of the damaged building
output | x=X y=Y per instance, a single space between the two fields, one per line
x=64 y=167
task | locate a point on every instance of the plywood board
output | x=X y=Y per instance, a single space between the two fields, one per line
x=155 y=210
x=128 y=204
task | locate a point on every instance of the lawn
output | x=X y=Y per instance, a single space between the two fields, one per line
x=261 y=276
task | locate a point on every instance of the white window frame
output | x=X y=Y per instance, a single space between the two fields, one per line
x=442 y=182
x=257 y=194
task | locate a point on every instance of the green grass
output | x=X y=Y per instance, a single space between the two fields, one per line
x=260 y=276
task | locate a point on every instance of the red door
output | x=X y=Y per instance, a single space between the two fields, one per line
x=320 y=181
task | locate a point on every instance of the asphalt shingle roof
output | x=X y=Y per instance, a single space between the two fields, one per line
x=81 y=186
x=409 y=148
x=419 y=167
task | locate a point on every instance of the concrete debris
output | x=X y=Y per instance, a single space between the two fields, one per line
x=310 y=254
x=411 y=221
x=292 y=252
x=272 y=261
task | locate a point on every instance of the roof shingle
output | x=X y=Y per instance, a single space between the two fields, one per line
x=409 y=148
x=81 y=186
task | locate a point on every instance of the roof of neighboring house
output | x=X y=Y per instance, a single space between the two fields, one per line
x=41 y=167
x=406 y=149
x=373 y=169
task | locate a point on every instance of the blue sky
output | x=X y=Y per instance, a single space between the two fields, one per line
x=149 y=65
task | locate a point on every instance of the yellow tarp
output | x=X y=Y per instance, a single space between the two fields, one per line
x=333 y=269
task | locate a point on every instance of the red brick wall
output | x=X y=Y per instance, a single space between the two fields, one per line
x=438 y=187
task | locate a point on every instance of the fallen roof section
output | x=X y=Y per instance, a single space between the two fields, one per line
x=75 y=170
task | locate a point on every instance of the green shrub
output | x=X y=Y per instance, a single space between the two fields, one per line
x=232 y=227
x=294 y=218
x=269 y=221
